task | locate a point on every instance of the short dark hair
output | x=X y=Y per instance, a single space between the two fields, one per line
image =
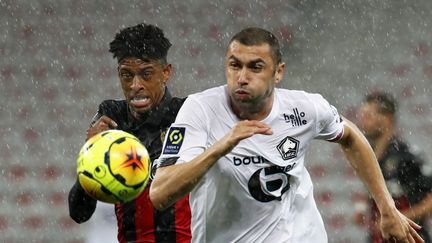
x=256 y=36
x=386 y=102
x=144 y=41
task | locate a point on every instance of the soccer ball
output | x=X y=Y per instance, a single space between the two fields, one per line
x=113 y=166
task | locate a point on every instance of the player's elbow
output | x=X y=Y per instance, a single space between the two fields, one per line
x=78 y=217
x=351 y=136
x=79 y=214
x=157 y=199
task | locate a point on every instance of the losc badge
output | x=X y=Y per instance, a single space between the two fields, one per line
x=174 y=140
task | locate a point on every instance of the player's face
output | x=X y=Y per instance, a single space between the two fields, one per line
x=251 y=75
x=143 y=83
x=371 y=121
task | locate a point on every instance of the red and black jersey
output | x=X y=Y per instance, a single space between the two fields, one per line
x=405 y=181
x=137 y=220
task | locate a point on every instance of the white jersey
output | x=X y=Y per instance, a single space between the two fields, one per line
x=260 y=191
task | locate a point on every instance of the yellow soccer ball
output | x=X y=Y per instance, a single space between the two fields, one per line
x=113 y=166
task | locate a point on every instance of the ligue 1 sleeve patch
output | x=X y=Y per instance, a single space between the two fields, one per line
x=174 y=140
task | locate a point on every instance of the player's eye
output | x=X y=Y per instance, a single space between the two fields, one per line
x=146 y=75
x=257 y=68
x=126 y=75
x=234 y=65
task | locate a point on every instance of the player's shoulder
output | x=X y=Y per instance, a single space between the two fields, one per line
x=175 y=103
x=209 y=93
x=113 y=108
x=113 y=104
x=170 y=110
x=298 y=95
x=209 y=96
x=177 y=100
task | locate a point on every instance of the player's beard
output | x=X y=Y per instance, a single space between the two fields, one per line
x=254 y=104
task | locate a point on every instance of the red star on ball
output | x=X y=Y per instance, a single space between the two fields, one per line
x=133 y=160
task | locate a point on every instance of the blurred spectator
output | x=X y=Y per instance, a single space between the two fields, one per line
x=402 y=170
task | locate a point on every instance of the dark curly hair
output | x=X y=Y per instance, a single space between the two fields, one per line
x=144 y=41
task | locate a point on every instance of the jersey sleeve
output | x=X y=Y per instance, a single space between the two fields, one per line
x=81 y=205
x=186 y=138
x=109 y=108
x=329 y=125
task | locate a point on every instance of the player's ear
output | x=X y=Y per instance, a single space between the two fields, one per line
x=279 y=72
x=167 y=71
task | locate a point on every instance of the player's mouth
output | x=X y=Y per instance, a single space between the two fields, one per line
x=241 y=94
x=140 y=102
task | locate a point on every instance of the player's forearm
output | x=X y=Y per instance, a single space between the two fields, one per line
x=363 y=160
x=173 y=182
x=420 y=210
x=81 y=205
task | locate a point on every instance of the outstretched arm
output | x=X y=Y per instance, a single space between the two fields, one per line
x=174 y=181
x=394 y=226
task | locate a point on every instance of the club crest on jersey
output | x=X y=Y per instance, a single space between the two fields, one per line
x=288 y=148
x=296 y=118
x=174 y=140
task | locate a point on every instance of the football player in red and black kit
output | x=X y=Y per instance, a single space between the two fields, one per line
x=410 y=188
x=147 y=112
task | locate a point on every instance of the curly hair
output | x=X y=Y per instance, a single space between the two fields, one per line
x=144 y=41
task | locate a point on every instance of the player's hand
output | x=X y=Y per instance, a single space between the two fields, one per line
x=395 y=227
x=242 y=130
x=102 y=124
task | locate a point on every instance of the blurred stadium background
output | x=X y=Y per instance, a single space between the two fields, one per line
x=55 y=69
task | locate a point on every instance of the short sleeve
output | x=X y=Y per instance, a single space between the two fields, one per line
x=187 y=136
x=329 y=125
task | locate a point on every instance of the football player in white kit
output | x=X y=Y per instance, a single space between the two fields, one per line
x=239 y=150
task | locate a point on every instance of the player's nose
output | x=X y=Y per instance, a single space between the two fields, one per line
x=137 y=83
x=243 y=77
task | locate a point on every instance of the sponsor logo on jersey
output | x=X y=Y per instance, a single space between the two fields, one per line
x=249 y=160
x=288 y=148
x=174 y=140
x=268 y=184
x=296 y=118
